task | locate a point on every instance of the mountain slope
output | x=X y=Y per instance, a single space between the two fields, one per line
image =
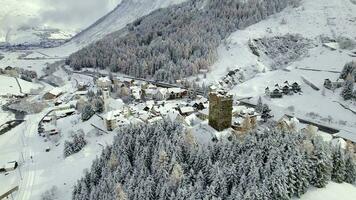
x=175 y=42
x=126 y=12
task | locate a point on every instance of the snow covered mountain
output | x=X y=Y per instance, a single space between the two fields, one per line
x=127 y=11
x=46 y=23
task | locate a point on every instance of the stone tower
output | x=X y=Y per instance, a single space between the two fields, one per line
x=106 y=96
x=220 y=110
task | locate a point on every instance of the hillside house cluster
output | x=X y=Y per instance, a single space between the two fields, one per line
x=286 y=89
x=151 y=111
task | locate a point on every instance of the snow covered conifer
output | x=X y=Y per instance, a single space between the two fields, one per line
x=338 y=157
x=348 y=68
x=321 y=164
x=87 y=112
x=266 y=113
x=350 y=166
x=259 y=106
x=347 y=90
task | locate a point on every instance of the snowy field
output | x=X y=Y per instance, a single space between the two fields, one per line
x=331 y=192
x=14 y=59
x=312 y=19
x=10 y=86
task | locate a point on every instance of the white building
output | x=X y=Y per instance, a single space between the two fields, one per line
x=161 y=94
x=114 y=119
x=104 y=82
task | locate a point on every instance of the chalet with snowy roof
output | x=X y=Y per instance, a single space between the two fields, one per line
x=177 y=93
x=54 y=93
x=286 y=90
x=276 y=93
x=296 y=87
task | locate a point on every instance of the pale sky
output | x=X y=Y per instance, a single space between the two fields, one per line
x=63 y=14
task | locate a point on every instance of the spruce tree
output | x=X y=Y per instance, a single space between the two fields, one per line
x=259 y=106
x=350 y=165
x=347 y=90
x=321 y=164
x=338 y=157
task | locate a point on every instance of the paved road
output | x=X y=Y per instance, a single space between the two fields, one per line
x=29 y=169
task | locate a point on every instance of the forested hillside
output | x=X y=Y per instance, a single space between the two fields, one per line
x=174 y=42
x=163 y=161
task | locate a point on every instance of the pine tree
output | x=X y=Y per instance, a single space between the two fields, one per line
x=350 y=165
x=338 y=157
x=266 y=113
x=87 y=112
x=321 y=164
x=259 y=106
x=347 y=90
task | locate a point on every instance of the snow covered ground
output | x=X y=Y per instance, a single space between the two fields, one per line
x=332 y=18
x=312 y=19
x=331 y=192
x=10 y=86
x=34 y=60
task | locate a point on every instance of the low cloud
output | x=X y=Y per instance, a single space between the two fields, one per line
x=76 y=14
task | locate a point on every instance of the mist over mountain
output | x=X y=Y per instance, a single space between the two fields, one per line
x=18 y=18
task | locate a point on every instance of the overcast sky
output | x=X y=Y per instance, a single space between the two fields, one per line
x=64 y=14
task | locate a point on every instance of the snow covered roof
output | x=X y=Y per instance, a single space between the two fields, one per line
x=163 y=91
x=81 y=92
x=112 y=115
x=56 y=91
x=187 y=109
x=155 y=119
x=347 y=135
x=151 y=91
x=176 y=90
x=105 y=79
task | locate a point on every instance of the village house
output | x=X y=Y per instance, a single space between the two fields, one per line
x=177 y=93
x=203 y=114
x=328 y=84
x=185 y=111
x=103 y=82
x=276 y=93
x=296 y=87
x=245 y=123
x=54 y=93
x=286 y=90
x=161 y=94
x=82 y=86
x=11 y=71
x=114 y=119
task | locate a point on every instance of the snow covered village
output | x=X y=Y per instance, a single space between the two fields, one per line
x=178 y=99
